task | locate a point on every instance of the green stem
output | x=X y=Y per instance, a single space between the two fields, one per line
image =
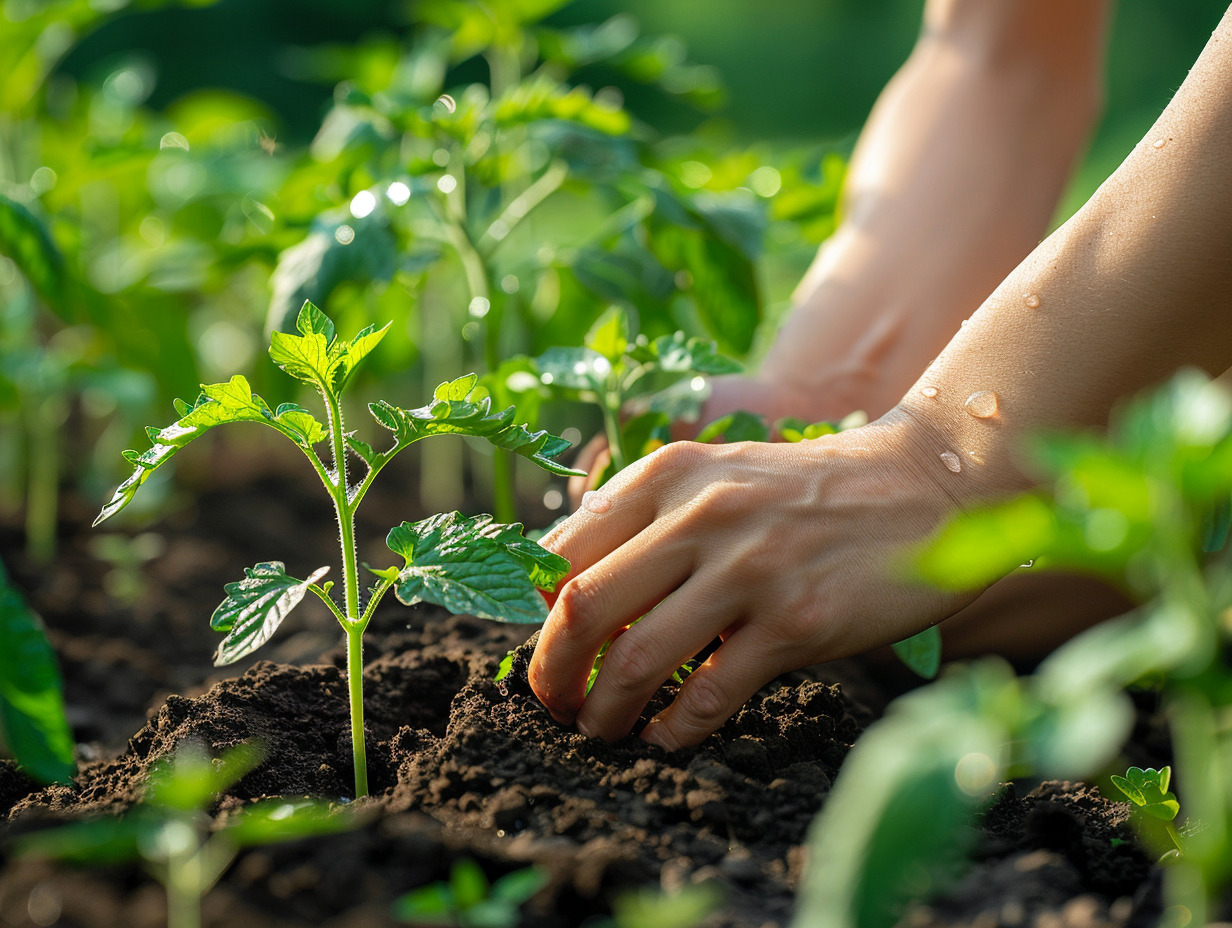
x=355 y=688
x=183 y=887
x=611 y=424
x=344 y=506
x=1175 y=836
x=42 y=482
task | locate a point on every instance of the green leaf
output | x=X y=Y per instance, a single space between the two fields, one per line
x=681 y=355
x=976 y=548
x=609 y=336
x=474 y=565
x=100 y=841
x=32 y=721
x=218 y=404
x=275 y=820
x=25 y=240
x=1148 y=790
x=255 y=607
x=736 y=426
x=921 y=652
x=644 y=908
x=190 y=779
x=336 y=251
x=467 y=883
x=454 y=411
x=517 y=887
x=316 y=357
x=581 y=369
x=427 y=905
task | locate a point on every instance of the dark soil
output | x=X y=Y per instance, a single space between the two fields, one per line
x=461 y=766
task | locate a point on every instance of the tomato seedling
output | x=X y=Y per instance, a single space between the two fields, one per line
x=464 y=563
x=1148 y=791
x=469 y=900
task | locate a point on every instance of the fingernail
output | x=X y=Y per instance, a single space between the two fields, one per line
x=656 y=733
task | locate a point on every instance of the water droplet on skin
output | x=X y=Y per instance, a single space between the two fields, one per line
x=964 y=323
x=981 y=404
x=930 y=392
x=592 y=501
x=1031 y=299
x=1160 y=143
x=951 y=462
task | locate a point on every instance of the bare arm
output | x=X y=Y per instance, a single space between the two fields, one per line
x=954 y=180
x=787 y=552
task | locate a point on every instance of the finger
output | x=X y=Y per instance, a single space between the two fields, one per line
x=594 y=606
x=593 y=459
x=712 y=693
x=646 y=655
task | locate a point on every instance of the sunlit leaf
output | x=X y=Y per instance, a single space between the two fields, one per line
x=736 y=426
x=218 y=404
x=976 y=548
x=474 y=565
x=254 y=608
x=455 y=411
x=609 y=336
x=316 y=357
x=32 y=722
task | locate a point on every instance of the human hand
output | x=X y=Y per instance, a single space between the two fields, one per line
x=788 y=553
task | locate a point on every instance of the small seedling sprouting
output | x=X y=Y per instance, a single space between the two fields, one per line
x=170 y=833
x=1148 y=791
x=468 y=900
x=464 y=563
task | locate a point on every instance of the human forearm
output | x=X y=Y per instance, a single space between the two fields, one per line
x=1136 y=284
x=954 y=179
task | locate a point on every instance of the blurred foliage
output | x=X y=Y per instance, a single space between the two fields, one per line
x=462 y=183
x=1145 y=507
x=172 y=836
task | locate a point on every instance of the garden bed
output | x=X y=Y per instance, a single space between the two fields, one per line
x=461 y=766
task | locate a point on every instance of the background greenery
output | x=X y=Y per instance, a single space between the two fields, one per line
x=794 y=70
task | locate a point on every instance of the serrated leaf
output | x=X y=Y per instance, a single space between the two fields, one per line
x=474 y=565
x=681 y=355
x=609 y=336
x=453 y=411
x=318 y=358
x=921 y=652
x=32 y=720
x=255 y=607
x=218 y=404
x=362 y=449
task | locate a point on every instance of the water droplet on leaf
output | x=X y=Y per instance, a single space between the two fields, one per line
x=447 y=103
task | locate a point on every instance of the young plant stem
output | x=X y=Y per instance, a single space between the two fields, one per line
x=183 y=888
x=355 y=688
x=344 y=506
x=611 y=424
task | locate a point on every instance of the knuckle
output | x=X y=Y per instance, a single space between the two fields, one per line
x=631 y=667
x=575 y=605
x=701 y=703
x=717 y=504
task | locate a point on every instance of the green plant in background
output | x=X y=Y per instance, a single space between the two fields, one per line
x=464 y=563
x=1148 y=791
x=33 y=727
x=1143 y=507
x=172 y=836
x=529 y=202
x=469 y=900
x=613 y=372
